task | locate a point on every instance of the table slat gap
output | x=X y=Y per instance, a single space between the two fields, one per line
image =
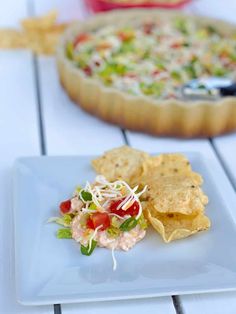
x=223 y=164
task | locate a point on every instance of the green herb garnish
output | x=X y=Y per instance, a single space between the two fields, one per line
x=64 y=234
x=85 y=250
x=85 y=196
x=129 y=224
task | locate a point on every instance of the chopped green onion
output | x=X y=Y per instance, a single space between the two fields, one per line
x=92 y=206
x=129 y=224
x=154 y=88
x=126 y=47
x=233 y=57
x=115 y=222
x=78 y=188
x=113 y=232
x=69 y=51
x=176 y=75
x=212 y=30
x=219 y=71
x=65 y=220
x=186 y=44
x=142 y=222
x=85 y=250
x=85 y=196
x=64 y=234
x=181 y=25
x=190 y=69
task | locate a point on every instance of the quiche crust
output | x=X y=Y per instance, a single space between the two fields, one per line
x=170 y=117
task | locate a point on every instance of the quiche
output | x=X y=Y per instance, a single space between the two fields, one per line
x=128 y=67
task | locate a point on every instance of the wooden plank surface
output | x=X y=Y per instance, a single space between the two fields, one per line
x=68 y=130
x=226 y=148
x=12 y=12
x=18 y=136
x=226 y=151
x=140 y=306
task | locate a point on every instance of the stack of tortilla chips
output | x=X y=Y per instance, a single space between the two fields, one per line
x=174 y=202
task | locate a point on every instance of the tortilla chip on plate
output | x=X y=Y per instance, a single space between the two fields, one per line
x=176 y=194
x=168 y=165
x=177 y=226
x=120 y=163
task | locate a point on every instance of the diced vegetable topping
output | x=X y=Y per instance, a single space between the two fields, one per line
x=154 y=58
x=100 y=213
x=132 y=210
x=97 y=220
x=88 y=250
x=129 y=224
x=65 y=206
x=64 y=234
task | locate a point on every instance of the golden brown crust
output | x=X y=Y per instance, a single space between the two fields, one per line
x=141 y=113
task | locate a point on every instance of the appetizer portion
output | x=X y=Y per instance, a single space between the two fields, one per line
x=105 y=214
x=162 y=190
x=173 y=202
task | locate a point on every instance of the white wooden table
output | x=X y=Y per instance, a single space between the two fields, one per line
x=37 y=118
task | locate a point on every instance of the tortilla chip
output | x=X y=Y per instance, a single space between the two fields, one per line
x=177 y=226
x=176 y=194
x=120 y=163
x=44 y=42
x=39 y=34
x=168 y=165
x=12 y=39
x=40 y=23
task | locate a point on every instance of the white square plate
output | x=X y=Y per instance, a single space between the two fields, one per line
x=50 y=271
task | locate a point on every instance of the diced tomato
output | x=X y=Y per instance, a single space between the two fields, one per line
x=87 y=70
x=103 y=45
x=126 y=35
x=90 y=224
x=99 y=219
x=132 y=210
x=81 y=38
x=131 y=75
x=176 y=45
x=224 y=54
x=156 y=72
x=148 y=27
x=65 y=206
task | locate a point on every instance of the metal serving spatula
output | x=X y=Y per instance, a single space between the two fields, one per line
x=208 y=88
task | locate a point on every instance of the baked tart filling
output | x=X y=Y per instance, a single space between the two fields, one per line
x=153 y=57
